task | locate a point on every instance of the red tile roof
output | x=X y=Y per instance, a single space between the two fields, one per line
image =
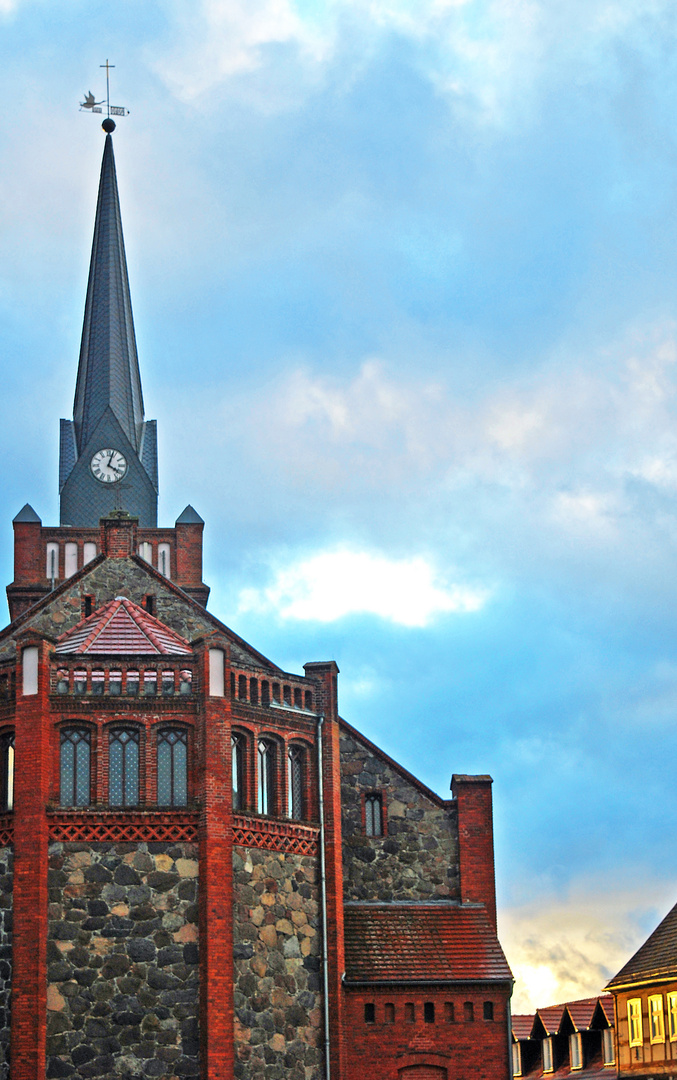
x=551 y=1018
x=582 y=1012
x=656 y=958
x=522 y=1025
x=122 y=627
x=421 y=943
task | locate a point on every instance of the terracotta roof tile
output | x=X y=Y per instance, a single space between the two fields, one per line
x=656 y=958
x=551 y=1018
x=582 y=1012
x=435 y=942
x=522 y=1024
x=121 y=628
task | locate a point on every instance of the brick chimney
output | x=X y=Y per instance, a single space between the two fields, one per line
x=118 y=534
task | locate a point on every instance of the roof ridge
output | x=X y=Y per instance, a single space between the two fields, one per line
x=131 y=608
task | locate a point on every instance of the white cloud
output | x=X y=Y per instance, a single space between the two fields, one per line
x=331 y=585
x=565 y=948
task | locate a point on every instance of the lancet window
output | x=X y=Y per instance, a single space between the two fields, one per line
x=172 y=767
x=123 y=768
x=75 y=767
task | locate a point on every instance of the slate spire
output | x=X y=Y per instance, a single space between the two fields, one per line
x=108 y=372
x=108 y=421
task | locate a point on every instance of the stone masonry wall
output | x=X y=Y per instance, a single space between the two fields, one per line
x=417 y=858
x=6 y=882
x=122 y=955
x=277 y=931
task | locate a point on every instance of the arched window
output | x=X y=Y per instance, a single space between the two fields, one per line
x=237 y=752
x=266 y=776
x=172 y=768
x=75 y=767
x=163 y=554
x=7 y=771
x=123 y=768
x=295 y=782
x=373 y=814
x=242 y=687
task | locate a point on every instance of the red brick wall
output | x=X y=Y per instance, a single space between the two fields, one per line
x=476 y=840
x=476 y=1049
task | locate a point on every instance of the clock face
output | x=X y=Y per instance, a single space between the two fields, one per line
x=108 y=466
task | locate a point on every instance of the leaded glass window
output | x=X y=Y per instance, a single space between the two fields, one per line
x=75 y=767
x=237 y=759
x=7 y=775
x=172 y=767
x=266 y=776
x=373 y=815
x=295 y=778
x=123 y=768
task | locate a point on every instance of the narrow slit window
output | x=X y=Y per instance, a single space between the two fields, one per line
x=172 y=768
x=488 y=1010
x=242 y=687
x=52 y=567
x=286 y=694
x=133 y=682
x=185 y=682
x=295 y=783
x=369 y=1012
x=276 y=692
x=167 y=683
x=75 y=767
x=115 y=682
x=265 y=692
x=123 y=768
x=237 y=755
x=163 y=556
x=373 y=814
x=98 y=680
x=266 y=776
x=309 y=700
x=7 y=766
x=70 y=559
x=298 y=698
x=254 y=691
x=80 y=681
x=429 y=1012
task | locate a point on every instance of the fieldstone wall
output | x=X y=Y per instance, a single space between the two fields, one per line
x=122 y=955
x=6 y=884
x=417 y=858
x=277 y=937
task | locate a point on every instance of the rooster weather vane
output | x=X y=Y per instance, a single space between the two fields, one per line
x=90 y=104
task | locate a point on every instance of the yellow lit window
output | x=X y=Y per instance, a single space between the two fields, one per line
x=516 y=1059
x=635 y=1036
x=547 y=1055
x=608 y=1055
x=575 y=1051
x=656 y=1027
x=672 y=1016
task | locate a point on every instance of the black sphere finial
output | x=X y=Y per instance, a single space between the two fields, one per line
x=108 y=125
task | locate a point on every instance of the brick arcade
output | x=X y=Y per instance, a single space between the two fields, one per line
x=204 y=870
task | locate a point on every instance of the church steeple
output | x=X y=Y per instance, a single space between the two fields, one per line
x=108 y=452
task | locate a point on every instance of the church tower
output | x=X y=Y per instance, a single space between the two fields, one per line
x=108 y=452
x=204 y=870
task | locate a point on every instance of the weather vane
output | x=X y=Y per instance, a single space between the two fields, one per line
x=91 y=105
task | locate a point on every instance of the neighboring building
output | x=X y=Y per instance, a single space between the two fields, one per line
x=645 y=992
x=204 y=871
x=574 y=1039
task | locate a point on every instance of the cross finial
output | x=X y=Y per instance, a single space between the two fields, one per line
x=107 y=66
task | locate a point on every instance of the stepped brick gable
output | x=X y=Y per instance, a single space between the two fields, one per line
x=205 y=871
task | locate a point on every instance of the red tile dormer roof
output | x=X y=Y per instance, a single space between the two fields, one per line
x=421 y=943
x=122 y=628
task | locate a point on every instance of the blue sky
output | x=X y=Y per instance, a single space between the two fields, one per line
x=405 y=288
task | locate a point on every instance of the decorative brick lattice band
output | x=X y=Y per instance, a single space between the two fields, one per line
x=124 y=828
x=6 y=830
x=291 y=839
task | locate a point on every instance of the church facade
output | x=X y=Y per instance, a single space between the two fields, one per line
x=204 y=870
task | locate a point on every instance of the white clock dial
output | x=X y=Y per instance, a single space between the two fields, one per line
x=108 y=466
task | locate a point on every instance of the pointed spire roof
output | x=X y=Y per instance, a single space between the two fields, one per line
x=108 y=371
x=122 y=628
